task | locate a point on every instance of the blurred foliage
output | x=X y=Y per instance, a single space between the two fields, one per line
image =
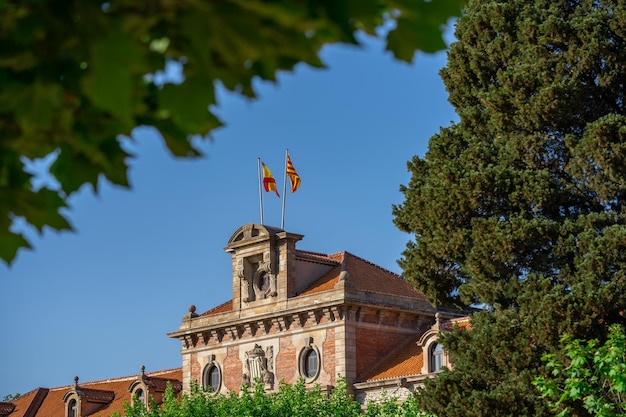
x=11 y=397
x=79 y=75
x=289 y=400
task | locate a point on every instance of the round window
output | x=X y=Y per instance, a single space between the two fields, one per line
x=212 y=378
x=309 y=363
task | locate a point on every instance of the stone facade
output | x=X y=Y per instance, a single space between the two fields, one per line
x=298 y=314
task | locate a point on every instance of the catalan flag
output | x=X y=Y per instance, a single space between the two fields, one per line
x=269 y=183
x=294 y=178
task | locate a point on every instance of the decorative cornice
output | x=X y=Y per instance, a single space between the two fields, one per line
x=403 y=381
x=233 y=331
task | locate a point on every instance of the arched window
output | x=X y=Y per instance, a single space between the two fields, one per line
x=212 y=378
x=141 y=396
x=436 y=357
x=72 y=408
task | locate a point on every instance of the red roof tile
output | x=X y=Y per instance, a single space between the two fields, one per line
x=405 y=361
x=114 y=390
x=315 y=257
x=365 y=276
x=97 y=395
x=27 y=405
x=6 y=408
x=222 y=308
x=160 y=384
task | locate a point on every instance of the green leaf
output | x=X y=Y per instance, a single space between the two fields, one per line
x=110 y=81
x=11 y=243
x=188 y=105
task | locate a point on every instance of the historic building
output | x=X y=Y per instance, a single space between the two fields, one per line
x=300 y=314
x=99 y=398
x=293 y=314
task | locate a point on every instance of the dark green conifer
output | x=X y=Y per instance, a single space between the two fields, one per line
x=521 y=205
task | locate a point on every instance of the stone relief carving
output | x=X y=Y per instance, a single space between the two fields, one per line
x=265 y=278
x=257 y=276
x=259 y=364
x=245 y=283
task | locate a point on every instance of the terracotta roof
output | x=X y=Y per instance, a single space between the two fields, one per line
x=28 y=404
x=6 y=408
x=160 y=384
x=315 y=257
x=325 y=283
x=97 y=395
x=115 y=390
x=407 y=360
x=222 y=308
x=365 y=276
x=463 y=323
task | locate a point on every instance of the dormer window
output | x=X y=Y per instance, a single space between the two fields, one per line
x=436 y=357
x=72 y=408
x=149 y=389
x=140 y=395
x=82 y=401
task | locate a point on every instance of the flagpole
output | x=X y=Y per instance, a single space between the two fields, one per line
x=260 y=190
x=282 y=217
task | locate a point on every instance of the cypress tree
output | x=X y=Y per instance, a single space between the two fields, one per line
x=521 y=206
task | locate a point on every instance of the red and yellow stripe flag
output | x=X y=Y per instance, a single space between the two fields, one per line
x=294 y=178
x=269 y=183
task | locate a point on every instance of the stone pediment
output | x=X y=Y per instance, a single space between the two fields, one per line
x=250 y=234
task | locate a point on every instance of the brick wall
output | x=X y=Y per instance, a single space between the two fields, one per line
x=286 y=361
x=233 y=369
x=196 y=371
x=329 y=357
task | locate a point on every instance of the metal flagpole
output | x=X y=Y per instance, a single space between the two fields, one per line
x=260 y=190
x=282 y=217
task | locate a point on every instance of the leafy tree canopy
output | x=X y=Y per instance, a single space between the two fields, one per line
x=595 y=375
x=521 y=206
x=288 y=401
x=77 y=74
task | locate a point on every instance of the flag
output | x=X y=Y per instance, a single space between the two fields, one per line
x=269 y=183
x=294 y=178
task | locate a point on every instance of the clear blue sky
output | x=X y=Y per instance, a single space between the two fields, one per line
x=98 y=303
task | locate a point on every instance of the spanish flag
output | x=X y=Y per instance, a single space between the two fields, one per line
x=294 y=178
x=269 y=183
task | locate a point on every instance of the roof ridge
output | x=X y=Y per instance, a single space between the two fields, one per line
x=314 y=256
x=370 y=263
x=311 y=252
x=36 y=402
x=87 y=389
x=217 y=307
x=118 y=379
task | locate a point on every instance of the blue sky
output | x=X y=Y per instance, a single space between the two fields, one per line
x=98 y=303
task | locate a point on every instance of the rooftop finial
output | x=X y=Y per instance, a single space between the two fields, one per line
x=76 y=382
x=143 y=370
